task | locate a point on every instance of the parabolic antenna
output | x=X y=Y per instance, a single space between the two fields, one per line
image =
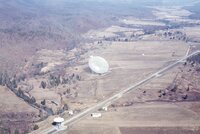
x=98 y=64
x=58 y=120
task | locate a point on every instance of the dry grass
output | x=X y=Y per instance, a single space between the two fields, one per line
x=158 y=116
x=11 y=103
x=132 y=21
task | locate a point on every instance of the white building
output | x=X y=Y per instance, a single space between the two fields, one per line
x=70 y=112
x=96 y=115
x=105 y=108
x=58 y=121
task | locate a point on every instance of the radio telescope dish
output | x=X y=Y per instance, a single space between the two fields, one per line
x=98 y=64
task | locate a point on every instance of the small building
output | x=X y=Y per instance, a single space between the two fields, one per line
x=70 y=112
x=96 y=115
x=58 y=121
x=105 y=108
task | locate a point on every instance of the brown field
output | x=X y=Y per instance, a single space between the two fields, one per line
x=10 y=102
x=15 y=113
x=145 y=112
x=142 y=118
x=48 y=45
x=159 y=130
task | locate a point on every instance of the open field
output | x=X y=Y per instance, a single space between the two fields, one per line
x=12 y=103
x=193 y=33
x=15 y=113
x=130 y=61
x=171 y=13
x=127 y=62
x=145 y=112
x=44 y=52
x=111 y=32
x=132 y=21
x=141 y=118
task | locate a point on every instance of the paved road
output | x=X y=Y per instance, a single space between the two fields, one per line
x=113 y=98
